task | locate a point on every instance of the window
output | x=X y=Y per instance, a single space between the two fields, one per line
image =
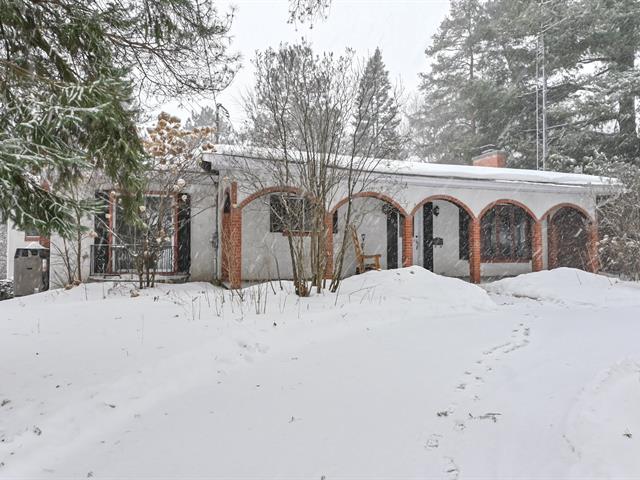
x=31 y=232
x=335 y=222
x=506 y=234
x=157 y=217
x=463 y=234
x=289 y=214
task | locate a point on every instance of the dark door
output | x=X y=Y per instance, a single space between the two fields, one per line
x=427 y=229
x=392 y=237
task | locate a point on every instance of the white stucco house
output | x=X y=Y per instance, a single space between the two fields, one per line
x=473 y=222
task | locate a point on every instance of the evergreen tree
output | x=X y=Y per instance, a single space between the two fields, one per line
x=378 y=107
x=449 y=126
x=69 y=73
x=216 y=118
x=482 y=84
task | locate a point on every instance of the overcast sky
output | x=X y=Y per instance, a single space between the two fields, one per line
x=401 y=28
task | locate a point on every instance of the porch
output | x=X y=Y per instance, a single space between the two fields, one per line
x=473 y=222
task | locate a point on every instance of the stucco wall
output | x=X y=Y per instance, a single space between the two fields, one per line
x=371 y=221
x=265 y=254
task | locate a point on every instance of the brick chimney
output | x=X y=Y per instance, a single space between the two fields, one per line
x=491 y=158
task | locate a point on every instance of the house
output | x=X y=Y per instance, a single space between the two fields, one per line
x=474 y=222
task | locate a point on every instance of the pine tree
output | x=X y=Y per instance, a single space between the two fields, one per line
x=216 y=118
x=451 y=126
x=481 y=87
x=69 y=74
x=378 y=107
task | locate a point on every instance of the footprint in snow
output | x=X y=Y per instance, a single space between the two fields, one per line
x=433 y=441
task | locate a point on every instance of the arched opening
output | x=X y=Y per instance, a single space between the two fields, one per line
x=569 y=238
x=274 y=221
x=377 y=227
x=442 y=228
x=506 y=239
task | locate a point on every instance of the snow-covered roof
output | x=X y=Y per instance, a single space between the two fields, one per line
x=440 y=170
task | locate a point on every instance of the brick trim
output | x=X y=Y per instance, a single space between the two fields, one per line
x=266 y=191
x=537 y=254
x=379 y=196
x=407 y=242
x=474 y=250
x=446 y=198
x=507 y=201
x=549 y=213
x=235 y=247
x=593 y=237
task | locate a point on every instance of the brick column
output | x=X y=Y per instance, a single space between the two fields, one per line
x=592 y=247
x=328 y=224
x=537 y=263
x=474 y=250
x=235 y=247
x=407 y=242
x=232 y=240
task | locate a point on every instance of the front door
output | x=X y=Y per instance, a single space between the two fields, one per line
x=427 y=229
x=392 y=237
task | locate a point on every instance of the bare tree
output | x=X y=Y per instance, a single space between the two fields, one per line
x=314 y=121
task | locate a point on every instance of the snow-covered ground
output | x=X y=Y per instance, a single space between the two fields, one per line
x=403 y=374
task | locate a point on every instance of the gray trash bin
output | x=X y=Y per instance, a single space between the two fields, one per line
x=30 y=271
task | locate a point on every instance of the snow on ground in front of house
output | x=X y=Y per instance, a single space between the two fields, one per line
x=570 y=287
x=403 y=373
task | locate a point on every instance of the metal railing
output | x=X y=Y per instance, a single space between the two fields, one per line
x=120 y=259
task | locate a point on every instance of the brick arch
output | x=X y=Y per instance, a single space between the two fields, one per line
x=447 y=198
x=376 y=195
x=267 y=191
x=508 y=201
x=407 y=236
x=588 y=246
x=573 y=206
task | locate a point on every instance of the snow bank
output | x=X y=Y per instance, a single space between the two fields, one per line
x=417 y=285
x=569 y=286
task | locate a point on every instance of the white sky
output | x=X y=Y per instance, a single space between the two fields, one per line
x=401 y=28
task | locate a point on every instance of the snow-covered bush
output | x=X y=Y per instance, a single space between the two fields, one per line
x=6 y=289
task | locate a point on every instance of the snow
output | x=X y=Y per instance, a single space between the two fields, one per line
x=425 y=169
x=571 y=287
x=402 y=374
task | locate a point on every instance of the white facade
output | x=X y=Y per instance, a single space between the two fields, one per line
x=407 y=186
x=400 y=187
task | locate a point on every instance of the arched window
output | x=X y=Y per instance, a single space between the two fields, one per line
x=506 y=234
